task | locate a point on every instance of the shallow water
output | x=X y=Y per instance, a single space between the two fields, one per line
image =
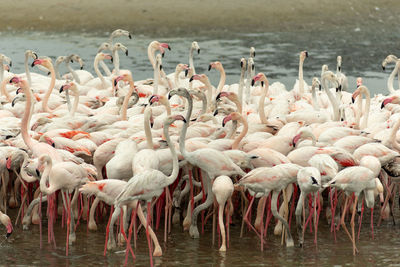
x=22 y=249
x=276 y=53
x=277 y=56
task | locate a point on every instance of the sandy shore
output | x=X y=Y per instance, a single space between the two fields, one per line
x=187 y=16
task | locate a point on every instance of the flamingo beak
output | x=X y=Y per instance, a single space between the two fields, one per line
x=9 y=230
x=35 y=56
x=130 y=36
x=36 y=62
x=295 y=140
x=306 y=53
x=253 y=82
x=209 y=67
x=226 y=119
x=8 y=163
x=198 y=51
x=180 y=117
x=383 y=67
x=126 y=52
x=386 y=101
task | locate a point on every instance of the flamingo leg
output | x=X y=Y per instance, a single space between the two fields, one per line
x=352 y=226
x=147 y=232
x=274 y=202
x=299 y=208
x=92 y=222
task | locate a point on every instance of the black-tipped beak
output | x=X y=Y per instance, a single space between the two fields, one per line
x=253 y=82
x=254 y=54
x=8 y=235
x=241 y=64
x=293 y=144
x=48 y=73
x=162 y=54
x=314 y=181
x=151 y=124
x=320 y=87
x=160 y=67
x=306 y=54
x=223 y=124
x=35 y=56
x=32 y=65
x=262 y=83
x=130 y=36
x=150 y=102
x=191 y=79
x=10 y=64
x=17 y=92
x=339 y=88
x=383 y=67
x=198 y=51
x=194 y=119
x=112 y=60
x=252 y=67
x=169 y=96
x=81 y=67
x=37 y=172
x=53 y=145
x=186 y=72
x=218 y=97
x=353 y=100
x=209 y=67
x=382 y=105
x=115 y=82
x=169 y=48
x=61 y=89
x=13 y=102
x=215 y=112
x=340 y=68
x=126 y=53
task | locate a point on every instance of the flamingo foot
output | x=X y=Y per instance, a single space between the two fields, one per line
x=111 y=244
x=222 y=248
x=26 y=222
x=121 y=239
x=176 y=218
x=290 y=243
x=194 y=232
x=278 y=228
x=72 y=238
x=92 y=225
x=157 y=251
x=12 y=202
x=186 y=223
x=35 y=218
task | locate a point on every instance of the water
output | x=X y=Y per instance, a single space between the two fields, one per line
x=181 y=250
x=277 y=55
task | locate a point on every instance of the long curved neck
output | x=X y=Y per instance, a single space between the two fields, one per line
x=235 y=144
x=393 y=133
x=157 y=78
x=147 y=129
x=150 y=53
x=116 y=61
x=221 y=80
x=73 y=73
x=248 y=81
x=24 y=175
x=175 y=164
x=167 y=107
x=314 y=98
x=105 y=68
x=332 y=99
x=1 y=70
x=391 y=79
x=241 y=85
x=301 y=81
x=27 y=71
x=209 y=89
x=191 y=64
x=45 y=177
x=124 y=107
x=239 y=106
x=98 y=72
x=182 y=137
x=25 y=119
x=366 y=109
x=49 y=91
x=4 y=90
x=75 y=106
x=204 y=106
x=358 y=111
x=261 y=111
x=176 y=77
x=56 y=71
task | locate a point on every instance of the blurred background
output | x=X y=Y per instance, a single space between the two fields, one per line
x=362 y=32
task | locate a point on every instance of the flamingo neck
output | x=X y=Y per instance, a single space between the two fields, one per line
x=314 y=98
x=393 y=133
x=241 y=85
x=116 y=61
x=124 y=107
x=147 y=129
x=235 y=144
x=261 y=111
x=239 y=106
x=367 y=105
x=75 y=106
x=182 y=137
x=391 y=78
x=105 y=68
x=25 y=119
x=98 y=72
x=24 y=175
x=4 y=91
x=248 y=81
x=56 y=71
x=332 y=99
x=301 y=81
x=73 y=73
x=176 y=78
x=27 y=71
x=49 y=91
x=221 y=80
x=191 y=64
x=175 y=164
x=45 y=177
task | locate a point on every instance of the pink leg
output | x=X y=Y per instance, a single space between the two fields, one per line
x=147 y=232
x=108 y=230
x=261 y=226
x=40 y=221
x=360 y=220
x=372 y=222
x=128 y=242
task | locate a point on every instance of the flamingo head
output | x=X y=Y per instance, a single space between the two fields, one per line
x=243 y=63
x=230 y=95
x=259 y=77
x=9 y=228
x=120 y=32
x=48 y=140
x=30 y=53
x=182 y=67
x=60 y=60
x=359 y=81
x=154 y=98
x=234 y=116
x=200 y=77
x=119 y=46
x=393 y=99
x=303 y=55
x=170 y=119
x=195 y=46
x=252 y=52
x=355 y=94
x=162 y=47
x=67 y=86
x=296 y=139
x=104 y=46
x=316 y=82
x=215 y=65
x=339 y=63
x=45 y=62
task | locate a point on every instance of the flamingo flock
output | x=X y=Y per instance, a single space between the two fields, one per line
x=178 y=148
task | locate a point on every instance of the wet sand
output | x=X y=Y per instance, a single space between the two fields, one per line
x=162 y=17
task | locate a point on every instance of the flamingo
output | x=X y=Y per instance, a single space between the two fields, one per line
x=6 y=221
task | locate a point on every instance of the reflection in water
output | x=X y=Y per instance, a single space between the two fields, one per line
x=181 y=250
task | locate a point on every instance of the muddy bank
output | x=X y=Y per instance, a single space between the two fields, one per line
x=165 y=17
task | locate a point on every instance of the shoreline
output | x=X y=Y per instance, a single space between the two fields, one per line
x=181 y=17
